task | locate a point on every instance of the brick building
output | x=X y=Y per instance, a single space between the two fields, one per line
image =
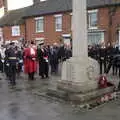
x=103 y=21
x=3 y=6
x=3 y=10
x=13 y=25
x=50 y=21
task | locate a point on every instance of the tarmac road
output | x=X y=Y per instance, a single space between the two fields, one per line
x=20 y=103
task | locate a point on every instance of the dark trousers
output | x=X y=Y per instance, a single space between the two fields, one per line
x=19 y=69
x=12 y=74
x=31 y=76
x=43 y=69
x=110 y=64
x=102 y=66
x=6 y=71
x=54 y=68
x=1 y=66
x=46 y=69
x=115 y=69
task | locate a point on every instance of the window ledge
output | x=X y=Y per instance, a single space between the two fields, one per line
x=15 y=35
x=58 y=30
x=39 y=31
x=92 y=28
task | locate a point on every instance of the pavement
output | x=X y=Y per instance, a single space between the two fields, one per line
x=22 y=103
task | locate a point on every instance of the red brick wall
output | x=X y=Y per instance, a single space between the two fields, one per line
x=7 y=33
x=115 y=24
x=49 y=33
x=1 y=3
x=52 y=36
x=103 y=22
x=110 y=31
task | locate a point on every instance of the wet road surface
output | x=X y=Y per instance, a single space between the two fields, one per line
x=20 y=103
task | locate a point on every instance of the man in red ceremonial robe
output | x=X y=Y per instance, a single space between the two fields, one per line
x=30 y=63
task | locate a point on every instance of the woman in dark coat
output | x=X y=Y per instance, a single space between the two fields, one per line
x=53 y=56
x=43 y=62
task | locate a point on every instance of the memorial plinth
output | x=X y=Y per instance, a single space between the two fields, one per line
x=80 y=72
x=79 y=77
x=77 y=72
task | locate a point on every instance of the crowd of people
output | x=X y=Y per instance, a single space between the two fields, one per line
x=108 y=57
x=45 y=59
x=28 y=59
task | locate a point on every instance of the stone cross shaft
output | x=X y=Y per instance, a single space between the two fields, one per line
x=78 y=72
x=79 y=29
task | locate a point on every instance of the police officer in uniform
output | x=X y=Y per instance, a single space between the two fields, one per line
x=12 y=63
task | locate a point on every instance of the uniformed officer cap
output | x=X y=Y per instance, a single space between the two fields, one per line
x=41 y=43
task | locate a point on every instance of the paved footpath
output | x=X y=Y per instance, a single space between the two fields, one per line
x=21 y=103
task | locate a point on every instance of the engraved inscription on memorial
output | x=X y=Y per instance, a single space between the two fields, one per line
x=90 y=72
x=73 y=73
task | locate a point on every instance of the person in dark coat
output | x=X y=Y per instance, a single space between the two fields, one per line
x=12 y=63
x=61 y=53
x=111 y=63
x=2 y=56
x=102 y=58
x=43 y=62
x=20 y=60
x=54 y=58
x=68 y=52
x=116 y=61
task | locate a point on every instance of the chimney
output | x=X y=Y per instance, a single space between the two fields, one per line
x=36 y=2
x=5 y=6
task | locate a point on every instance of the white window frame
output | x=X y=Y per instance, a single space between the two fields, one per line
x=42 y=0
x=57 y=16
x=71 y=14
x=89 y=25
x=101 y=40
x=39 y=18
x=15 y=30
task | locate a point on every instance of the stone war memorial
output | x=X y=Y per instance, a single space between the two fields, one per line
x=79 y=74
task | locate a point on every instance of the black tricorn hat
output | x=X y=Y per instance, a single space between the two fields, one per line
x=12 y=43
x=32 y=42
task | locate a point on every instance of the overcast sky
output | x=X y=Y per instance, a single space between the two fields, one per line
x=15 y=4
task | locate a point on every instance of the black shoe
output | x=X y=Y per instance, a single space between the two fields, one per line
x=14 y=83
x=33 y=78
x=42 y=77
x=46 y=76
